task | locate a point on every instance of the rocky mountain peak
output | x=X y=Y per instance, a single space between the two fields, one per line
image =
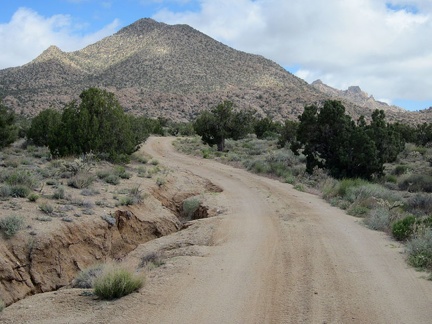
x=355 y=90
x=141 y=26
x=52 y=52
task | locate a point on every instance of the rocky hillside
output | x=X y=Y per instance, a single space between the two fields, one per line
x=157 y=69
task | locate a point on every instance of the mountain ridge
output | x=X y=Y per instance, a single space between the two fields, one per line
x=356 y=95
x=161 y=70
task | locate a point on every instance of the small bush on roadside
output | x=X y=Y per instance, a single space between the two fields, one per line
x=420 y=251
x=2 y=305
x=378 y=219
x=370 y=190
x=87 y=277
x=403 y=228
x=10 y=225
x=346 y=185
x=357 y=210
x=420 y=202
x=117 y=282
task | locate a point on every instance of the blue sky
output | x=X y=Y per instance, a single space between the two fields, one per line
x=383 y=46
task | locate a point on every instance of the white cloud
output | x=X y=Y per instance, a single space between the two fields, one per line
x=28 y=34
x=383 y=46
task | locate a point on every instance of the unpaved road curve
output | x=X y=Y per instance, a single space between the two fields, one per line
x=283 y=256
x=276 y=255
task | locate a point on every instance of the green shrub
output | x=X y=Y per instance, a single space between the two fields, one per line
x=160 y=181
x=420 y=251
x=46 y=208
x=120 y=171
x=136 y=194
x=21 y=177
x=10 y=225
x=416 y=183
x=117 y=282
x=399 y=170
x=357 y=210
x=102 y=174
x=403 y=228
x=391 y=178
x=87 y=277
x=190 y=206
x=142 y=172
x=81 y=180
x=370 y=190
x=5 y=191
x=20 y=191
x=126 y=201
x=258 y=166
x=33 y=197
x=59 y=193
x=112 y=179
x=299 y=187
x=2 y=305
x=345 y=185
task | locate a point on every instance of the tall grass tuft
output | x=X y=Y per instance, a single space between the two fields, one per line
x=117 y=282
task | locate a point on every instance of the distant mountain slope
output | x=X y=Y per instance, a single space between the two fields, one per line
x=355 y=95
x=157 y=69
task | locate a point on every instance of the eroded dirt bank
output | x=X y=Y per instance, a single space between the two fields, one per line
x=51 y=258
x=51 y=261
x=272 y=255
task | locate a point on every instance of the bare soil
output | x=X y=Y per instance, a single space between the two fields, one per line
x=270 y=255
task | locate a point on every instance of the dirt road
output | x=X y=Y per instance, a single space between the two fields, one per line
x=283 y=256
x=276 y=255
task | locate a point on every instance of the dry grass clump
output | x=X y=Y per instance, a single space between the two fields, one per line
x=116 y=282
